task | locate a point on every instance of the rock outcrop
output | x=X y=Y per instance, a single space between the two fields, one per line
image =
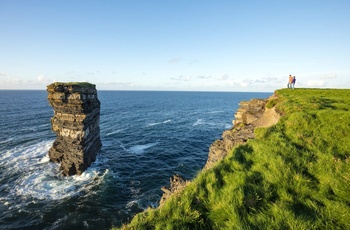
x=76 y=122
x=177 y=183
x=250 y=115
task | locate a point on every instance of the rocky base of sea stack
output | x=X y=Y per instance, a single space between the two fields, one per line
x=76 y=122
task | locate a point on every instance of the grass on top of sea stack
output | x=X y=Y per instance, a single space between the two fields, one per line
x=68 y=84
x=293 y=175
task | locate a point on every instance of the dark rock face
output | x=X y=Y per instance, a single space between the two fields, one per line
x=251 y=114
x=246 y=119
x=76 y=122
x=177 y=183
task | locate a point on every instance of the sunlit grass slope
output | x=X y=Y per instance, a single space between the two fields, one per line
x=294 y=175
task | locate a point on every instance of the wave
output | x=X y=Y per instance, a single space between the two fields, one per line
x=212 y=124
x=198 y=122
x=116 y=131
x=50 y=185
x=139 y=149
x=203 y=122
x=218 y=111
x=159 y=123
x=41 y=179
x=6 y=140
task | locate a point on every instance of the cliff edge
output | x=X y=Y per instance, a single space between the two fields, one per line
x=250 y=115
x=292 y=175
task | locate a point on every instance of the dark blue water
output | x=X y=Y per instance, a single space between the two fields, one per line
x=146 y=136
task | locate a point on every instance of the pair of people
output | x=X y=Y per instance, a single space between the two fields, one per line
x=291 y=82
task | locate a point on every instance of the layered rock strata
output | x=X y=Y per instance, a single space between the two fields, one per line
x=76 y=122
x=250 y=115
x=246 y=118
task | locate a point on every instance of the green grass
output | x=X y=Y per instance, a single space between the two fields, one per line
x=293 y=175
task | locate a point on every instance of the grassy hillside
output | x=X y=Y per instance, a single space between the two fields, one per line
x=294 y=175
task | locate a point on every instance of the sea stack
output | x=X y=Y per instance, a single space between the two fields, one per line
x=76 y=122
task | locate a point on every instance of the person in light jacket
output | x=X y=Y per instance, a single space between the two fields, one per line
x=293 y=82
x=289 y=85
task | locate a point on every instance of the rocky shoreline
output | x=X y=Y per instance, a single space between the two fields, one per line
x=250 y=115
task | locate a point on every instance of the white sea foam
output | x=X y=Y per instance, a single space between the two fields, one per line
x=41 y=179
x=206 y=123
x=198 y=122
x=37 y=127
x=7 y=140
x=44 y=159
x=139 y=149
x=116 y=131
x=135 y=182
x=218 y=111
x=159 y=123
x=50 y=185
x=132 y=203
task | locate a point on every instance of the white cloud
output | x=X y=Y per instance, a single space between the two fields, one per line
x=117 y=84
x=174 y=60
x=13 y=82
x=268 y=80
x=245 y=83
x=329 y=76
x=203 y=77
x=43 y=80
x=223 y=77
x=315 y=83
x=182 y=78
x=192 y=62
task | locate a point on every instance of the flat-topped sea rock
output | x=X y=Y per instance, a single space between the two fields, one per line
x=76 y=122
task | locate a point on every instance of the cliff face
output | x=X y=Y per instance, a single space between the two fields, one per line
x=76 y=122
x=250 y=115
x=245 y=121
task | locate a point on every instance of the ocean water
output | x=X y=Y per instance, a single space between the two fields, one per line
x=146 y=136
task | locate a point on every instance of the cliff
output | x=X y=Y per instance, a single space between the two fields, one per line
x=294 y=174
x=250 y=115
x=76 y=123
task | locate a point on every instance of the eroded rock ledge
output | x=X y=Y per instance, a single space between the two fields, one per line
x=250 y=115
x=76 y=122
x=177 y=183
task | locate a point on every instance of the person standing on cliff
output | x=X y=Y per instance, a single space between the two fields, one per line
x=289 y=85
x=293 y=82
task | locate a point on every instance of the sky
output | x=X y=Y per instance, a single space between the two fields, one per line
x=182 y=45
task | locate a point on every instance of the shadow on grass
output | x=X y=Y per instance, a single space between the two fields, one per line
x=240 y=155
x=326 y=103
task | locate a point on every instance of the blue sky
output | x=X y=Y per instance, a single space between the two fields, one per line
x=175 y=45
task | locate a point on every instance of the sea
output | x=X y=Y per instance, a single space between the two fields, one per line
x=147 y=136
